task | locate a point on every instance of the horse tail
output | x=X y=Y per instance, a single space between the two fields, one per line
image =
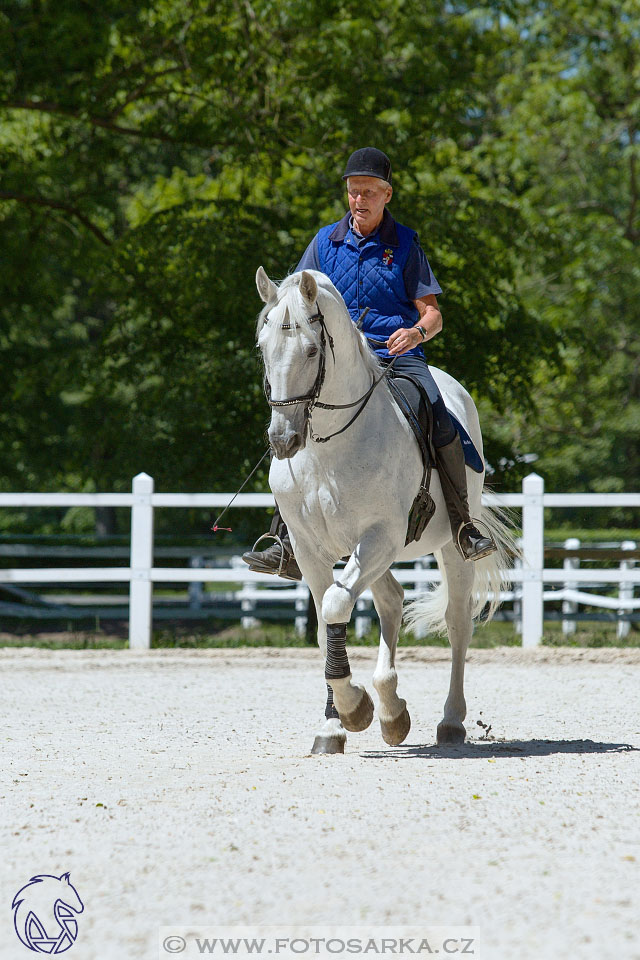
x=492 y=572
x=491 y=576
x=426 y=613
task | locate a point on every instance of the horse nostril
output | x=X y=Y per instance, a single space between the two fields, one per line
x=293 y=444
x=285 y=447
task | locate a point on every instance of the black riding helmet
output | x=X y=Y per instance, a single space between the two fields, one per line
x=368 y=162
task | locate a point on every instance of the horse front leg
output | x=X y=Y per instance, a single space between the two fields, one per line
x=393 y=715
x=353 y=703
x=459 y=576
x=331 y=737
x=368 y=562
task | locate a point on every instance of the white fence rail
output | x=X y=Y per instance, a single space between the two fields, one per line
x=529 y=578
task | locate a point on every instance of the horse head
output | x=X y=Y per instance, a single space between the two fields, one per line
x=68 y=894
x=292 y=352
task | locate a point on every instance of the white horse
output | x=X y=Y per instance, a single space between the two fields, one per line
x=351 y=496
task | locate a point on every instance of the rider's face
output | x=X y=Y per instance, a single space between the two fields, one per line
x=367 y=199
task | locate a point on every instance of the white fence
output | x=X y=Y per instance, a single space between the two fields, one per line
x=529 y=578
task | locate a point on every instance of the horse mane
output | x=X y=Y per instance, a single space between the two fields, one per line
x=291 y=308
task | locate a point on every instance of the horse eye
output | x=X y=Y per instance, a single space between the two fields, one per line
x=313 y=352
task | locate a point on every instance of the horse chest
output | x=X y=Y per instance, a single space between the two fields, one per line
x=323 y=503
x=310 y=501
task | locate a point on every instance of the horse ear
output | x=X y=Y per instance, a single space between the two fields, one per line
x=308 y=288
x=266 y=288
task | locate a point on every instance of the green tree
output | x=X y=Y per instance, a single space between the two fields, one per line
x=564 y=145
x=156 y=155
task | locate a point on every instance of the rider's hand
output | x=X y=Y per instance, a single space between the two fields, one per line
x=403 y=339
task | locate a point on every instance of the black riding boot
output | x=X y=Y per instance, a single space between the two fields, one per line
x=276 y=558
x=471 y=544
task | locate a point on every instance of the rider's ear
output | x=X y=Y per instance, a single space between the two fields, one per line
x=266 y=288
x=308 y=288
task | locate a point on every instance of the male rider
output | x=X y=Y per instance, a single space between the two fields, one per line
x=376 y=262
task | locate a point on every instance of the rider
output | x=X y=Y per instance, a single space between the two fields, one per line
x=376 y=262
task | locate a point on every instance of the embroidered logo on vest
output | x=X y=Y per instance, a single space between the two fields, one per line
x=387 y=258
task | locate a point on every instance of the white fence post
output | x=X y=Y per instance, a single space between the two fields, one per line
x=301 y=603
x=517 y=593
x=246 y=595
x=570 y=606
x=362 y=624
x=533 y=548
x=421 y=587
x=625 y=591
x=141 y=587
x=196 y=588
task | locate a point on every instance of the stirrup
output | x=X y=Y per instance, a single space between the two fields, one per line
x=473 y=523
x=272 y=536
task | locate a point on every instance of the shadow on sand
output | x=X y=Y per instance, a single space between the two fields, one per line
x=481 y=749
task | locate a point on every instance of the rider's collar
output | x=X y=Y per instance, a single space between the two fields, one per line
x=360 y=236
x=386 y=232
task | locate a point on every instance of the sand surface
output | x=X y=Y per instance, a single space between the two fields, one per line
x=176 y=787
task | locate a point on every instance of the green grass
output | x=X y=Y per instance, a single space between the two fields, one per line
x=588 y=535
x=220 y=635
x=594 y=634
x=74 y=640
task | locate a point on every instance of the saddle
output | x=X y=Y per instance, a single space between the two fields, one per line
x=412 y=400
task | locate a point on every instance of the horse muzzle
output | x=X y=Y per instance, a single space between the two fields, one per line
x=286 y=444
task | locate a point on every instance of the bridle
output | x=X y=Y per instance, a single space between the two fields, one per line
x=310 y=399
x=318 y=317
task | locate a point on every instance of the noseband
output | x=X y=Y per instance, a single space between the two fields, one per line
x=311 y=399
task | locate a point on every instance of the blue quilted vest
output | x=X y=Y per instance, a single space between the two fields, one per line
x=369 y=274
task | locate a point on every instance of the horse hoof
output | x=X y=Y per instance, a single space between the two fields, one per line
x=328 y=744
x=450 y=733
x=360 y=718
x=394 y=732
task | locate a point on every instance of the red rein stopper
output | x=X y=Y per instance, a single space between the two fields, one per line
x=215 y=528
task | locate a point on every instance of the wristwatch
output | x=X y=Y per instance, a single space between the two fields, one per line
x=423 y=332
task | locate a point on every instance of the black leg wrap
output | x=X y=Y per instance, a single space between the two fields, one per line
x=330 y=711
x=337 y=665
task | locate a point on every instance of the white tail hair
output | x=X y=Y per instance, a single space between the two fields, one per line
x=491 y=575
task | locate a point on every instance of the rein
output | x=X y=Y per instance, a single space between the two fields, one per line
x=311 y=399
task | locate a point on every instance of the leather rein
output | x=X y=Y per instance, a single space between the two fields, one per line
x=311 y=399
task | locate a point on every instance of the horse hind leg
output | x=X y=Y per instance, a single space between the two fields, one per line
x=393 y=715
x=459 y=576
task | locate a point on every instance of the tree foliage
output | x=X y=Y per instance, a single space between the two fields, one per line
x=565 y=147
x=152 y=156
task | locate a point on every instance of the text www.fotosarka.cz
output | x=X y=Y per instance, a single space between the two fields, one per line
x=331 y=941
